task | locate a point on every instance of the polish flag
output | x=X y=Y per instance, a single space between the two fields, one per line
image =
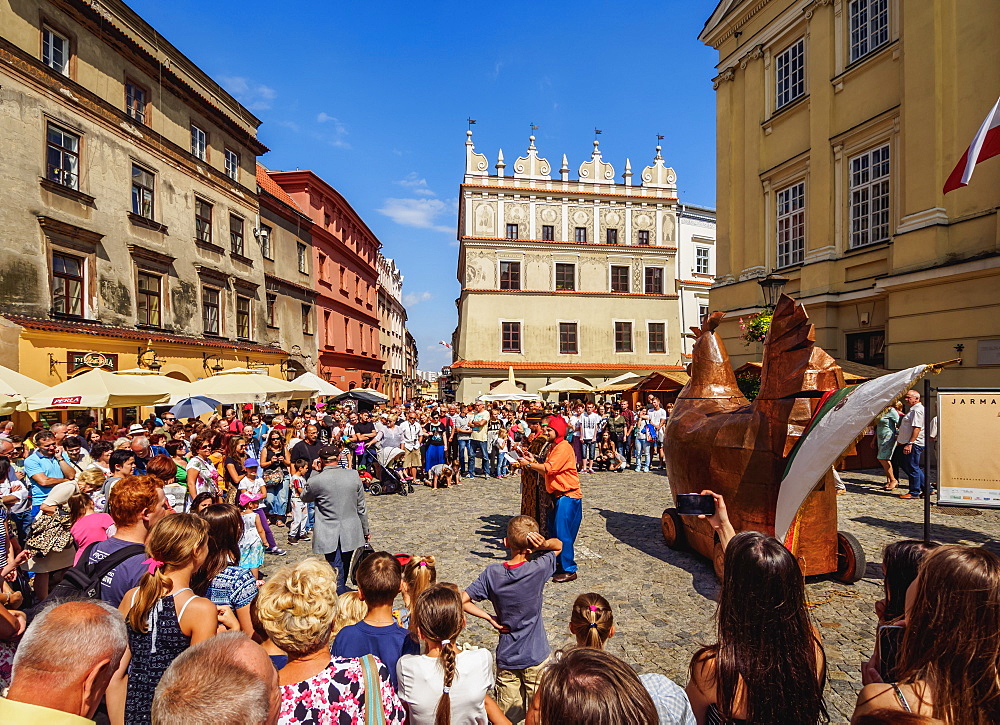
x=985 y=145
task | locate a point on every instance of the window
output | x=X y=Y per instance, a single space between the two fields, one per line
x=789 y=74
x=620 y=278
x=321 y=264
x=306 y=320
x=236 y=234
x=702 y=313
x=548 y=233
x=567 y=338
x=510 y=275
x=702 y=260
x=791 y=224
x=644 y=237
x=656 y=334
x=300 y=250
x=654 y=280
x=580 y=235
x=210 y=304
x=867 y=348
x=63 y=157
x=512 y=231
x=148 y=299
x=242 y=317
x=232 y=162
x=199 y=142
x=565 y=276
x=869 y=26
x=202 y=221
x=611 y=236
x=55 y=51
x=870 y=197
x=135 y=102
x=623 y=337
x=510 y=337
x=143 y=183
x=270 y=302
x=67 y=285
x=265 y=242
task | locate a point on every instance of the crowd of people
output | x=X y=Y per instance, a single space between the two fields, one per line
x=132 y=590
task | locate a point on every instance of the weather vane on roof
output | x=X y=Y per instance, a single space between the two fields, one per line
x=659 y=137
x=533 y=127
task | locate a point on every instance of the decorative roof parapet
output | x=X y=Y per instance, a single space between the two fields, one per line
x=564 y=169
x=500 y=165
x=475 y=164
x=627 y=176
x=530 y=166
x=597 y=171
x=659 y=176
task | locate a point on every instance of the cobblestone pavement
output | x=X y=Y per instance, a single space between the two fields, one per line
x=663 y=601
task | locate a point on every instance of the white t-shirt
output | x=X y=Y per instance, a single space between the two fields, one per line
x=253 y=485
x=421 y=681
x=588 y=426
x=914 y=418
x=656 y=417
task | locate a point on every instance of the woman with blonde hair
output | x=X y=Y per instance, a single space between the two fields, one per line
x=163 y=615
x=418 y=574
x=949 y=660
x=297 y=607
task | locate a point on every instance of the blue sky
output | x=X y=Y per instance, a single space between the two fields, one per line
x=373 y=96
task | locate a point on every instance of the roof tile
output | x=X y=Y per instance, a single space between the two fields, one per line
x=265 y=182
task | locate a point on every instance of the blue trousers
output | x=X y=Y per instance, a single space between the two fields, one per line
x=641 y=455
x=481 y=449
x=564 y=524
x=341 y=561
x=913 y=469
x=466 y=458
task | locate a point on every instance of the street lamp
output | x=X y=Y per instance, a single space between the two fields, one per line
x=772 y=285
x=366 y=379
x=152 y=363
x=217 y=368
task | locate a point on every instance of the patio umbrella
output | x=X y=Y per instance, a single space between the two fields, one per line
x=382 y=397
x=566 y=385
x=178 y=389
x=240 y=385
x=98 y=388
x=194 y=406
x=322 y=386
x=15 y=388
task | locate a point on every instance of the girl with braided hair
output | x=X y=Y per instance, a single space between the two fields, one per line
x=445 y=686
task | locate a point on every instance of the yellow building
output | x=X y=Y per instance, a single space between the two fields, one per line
x=838 y=122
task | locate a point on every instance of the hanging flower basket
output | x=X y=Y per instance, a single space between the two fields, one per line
x=754 y=328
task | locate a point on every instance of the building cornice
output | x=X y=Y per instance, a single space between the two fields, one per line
x=518 y=365
x=504 y=243
x=564 y=190
x=568 y=293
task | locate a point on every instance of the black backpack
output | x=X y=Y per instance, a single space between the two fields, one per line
x=83 y=581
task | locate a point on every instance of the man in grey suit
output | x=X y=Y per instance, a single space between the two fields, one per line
x=341 y=517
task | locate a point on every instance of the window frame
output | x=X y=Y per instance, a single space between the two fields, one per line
x=568 y=333
x=515 y=330
x=203 y=224
x=548 y=233
x=244 y=317
x=68 y=279
x=866 y=337
x=139 y=115
x=650 y=338
x=646 y=279
x=628 y=279
x=206 y=305
x=580 y=235
x=138 y=210
x=49 y=28
x=231 y=170
x=266 y=247
x=867 y=187
x=795 y=252
x=643 y=237
x=795 y=78
x=855 y=8
x=513 y=275
x=271 y=308
x=237 y=241
x=611 y=236
x=620 y=339
x=64 y=153
x=302 y=258
x=555 y=276
x=512 y=231
x=199 y=151
x=148 y=295
x=306 y=312
x=702 y=254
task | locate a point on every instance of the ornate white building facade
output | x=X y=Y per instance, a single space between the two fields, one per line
x=392 y=316
x=565 y=278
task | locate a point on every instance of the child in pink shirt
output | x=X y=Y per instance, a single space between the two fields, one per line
x=88 y=527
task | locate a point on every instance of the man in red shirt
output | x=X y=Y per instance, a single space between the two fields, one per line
x=563 y=482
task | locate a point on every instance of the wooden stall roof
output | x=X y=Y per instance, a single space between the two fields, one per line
x=853 y=372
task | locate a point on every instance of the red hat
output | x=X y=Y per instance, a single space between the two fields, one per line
x=558 y=424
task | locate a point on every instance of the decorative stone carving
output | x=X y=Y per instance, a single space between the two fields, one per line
x=486 y=224
x=597 y=171
x=668 y=224
x=516 y=214
x=581 y=217
x=727 y=75
x=659 y=176
x=475 y=164
x=530 y=166
x=548 y=214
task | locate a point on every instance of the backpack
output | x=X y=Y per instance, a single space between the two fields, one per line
x=83 y=581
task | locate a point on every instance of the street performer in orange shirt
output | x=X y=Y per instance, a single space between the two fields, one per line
x=562 y=481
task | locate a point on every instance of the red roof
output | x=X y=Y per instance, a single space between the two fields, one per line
x=127 y=333
x=265 y=182
x=503 y=364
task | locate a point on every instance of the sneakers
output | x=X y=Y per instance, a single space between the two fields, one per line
x=910 y=495
x=276 y=551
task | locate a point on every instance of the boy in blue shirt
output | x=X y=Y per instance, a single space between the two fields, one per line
x=378 y=578
x=515 y=589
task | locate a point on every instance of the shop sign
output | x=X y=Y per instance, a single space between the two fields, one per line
x=968 y=425
x=77 y=361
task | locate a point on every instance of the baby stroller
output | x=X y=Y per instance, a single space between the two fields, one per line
x=388 y=477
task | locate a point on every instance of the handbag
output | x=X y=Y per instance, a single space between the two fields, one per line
x=50 y=533
x=374 y=714
x=360 y=554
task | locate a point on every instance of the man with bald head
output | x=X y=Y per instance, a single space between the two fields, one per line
x=64 y=663
x=911 y=439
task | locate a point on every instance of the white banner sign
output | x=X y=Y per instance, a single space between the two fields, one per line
x=968 y=431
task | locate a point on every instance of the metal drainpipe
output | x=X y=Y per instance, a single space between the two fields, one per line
x=680 y=289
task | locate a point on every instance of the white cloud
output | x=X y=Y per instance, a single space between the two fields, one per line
x=416 y=184
x=415 y=298
x=339 y=130
x=420 y=213
x=255 y=96
x=290 y=125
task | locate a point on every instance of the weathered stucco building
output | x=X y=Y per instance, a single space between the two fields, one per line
x=565 y=277
x=392 y=318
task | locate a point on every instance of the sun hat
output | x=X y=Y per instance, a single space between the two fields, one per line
x=136 y=429
x=246 y=498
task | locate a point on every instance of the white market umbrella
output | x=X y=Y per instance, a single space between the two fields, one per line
x=178 y=389
x=241 y=385
x=323 y=387
x=372 y=391
x=567 y=385
x=15 y=388
x=98 y=388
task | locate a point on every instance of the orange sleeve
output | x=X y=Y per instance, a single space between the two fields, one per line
x=560 y=471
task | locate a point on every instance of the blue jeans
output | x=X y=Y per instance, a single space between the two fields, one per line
x=466 y=458
x=481 y=449
x=641 y=455
x=277 y=498
x=589 y=450
x=503 y=467
x=564 y=523
x=311 y=508
x=341 y=561
x=913 y=469
x=623 y=449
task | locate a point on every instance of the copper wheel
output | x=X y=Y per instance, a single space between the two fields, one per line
x=850 y=558
x=673 y=529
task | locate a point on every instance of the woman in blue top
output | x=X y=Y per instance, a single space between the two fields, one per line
x=221 y=579
x=886 y=428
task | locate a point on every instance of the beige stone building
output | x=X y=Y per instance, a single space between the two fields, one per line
x=392 y=316
x=564 y=277
x=838 y=122
x=130 y=221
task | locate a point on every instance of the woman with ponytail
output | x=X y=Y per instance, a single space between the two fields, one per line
x=163 y=615
x=445 y=686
